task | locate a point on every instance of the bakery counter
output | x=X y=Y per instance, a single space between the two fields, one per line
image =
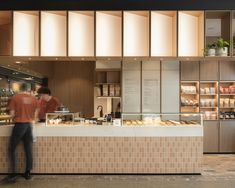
x=40 y=130
x=111 y=149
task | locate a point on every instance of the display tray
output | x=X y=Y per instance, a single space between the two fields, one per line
x=159 y=123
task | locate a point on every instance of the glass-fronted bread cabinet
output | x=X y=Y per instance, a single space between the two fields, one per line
x=60 y=118
x=127 y=119
x=155 y=119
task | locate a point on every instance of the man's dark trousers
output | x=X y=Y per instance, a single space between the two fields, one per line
x=21 y=131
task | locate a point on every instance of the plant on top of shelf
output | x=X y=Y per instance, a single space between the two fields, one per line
x=221 y=47
x=210 y=49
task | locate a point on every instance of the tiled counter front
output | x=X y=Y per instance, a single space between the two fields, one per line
x=111 y=154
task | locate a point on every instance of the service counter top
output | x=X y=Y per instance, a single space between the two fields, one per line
x=111 y=149
x=41 y=130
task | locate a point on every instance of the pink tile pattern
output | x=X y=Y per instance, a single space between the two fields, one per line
x=110 y=155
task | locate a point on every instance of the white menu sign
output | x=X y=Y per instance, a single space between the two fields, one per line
x=131 y=88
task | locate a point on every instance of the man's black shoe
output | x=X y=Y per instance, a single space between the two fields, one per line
x=27 y=175
x=11 y=178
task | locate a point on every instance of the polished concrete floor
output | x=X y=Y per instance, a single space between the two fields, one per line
x=218 y=172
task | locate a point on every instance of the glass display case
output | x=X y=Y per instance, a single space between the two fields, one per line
x=155 y=119
x=59 y=118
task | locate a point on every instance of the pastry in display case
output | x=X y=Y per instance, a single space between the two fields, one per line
x=161 y=119
x=59 y=118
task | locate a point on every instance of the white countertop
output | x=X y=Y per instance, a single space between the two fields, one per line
x=41 y=130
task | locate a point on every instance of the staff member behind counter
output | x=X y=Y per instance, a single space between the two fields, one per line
x=47 y=103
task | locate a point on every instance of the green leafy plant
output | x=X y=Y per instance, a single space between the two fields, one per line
x=209 y=46
x=221 y=43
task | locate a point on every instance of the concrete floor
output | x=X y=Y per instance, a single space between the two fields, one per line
x=218 y=172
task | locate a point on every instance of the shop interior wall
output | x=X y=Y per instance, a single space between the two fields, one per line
x=71 y=82
x=5 y=44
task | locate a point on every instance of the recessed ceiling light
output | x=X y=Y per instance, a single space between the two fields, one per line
x=18 y=62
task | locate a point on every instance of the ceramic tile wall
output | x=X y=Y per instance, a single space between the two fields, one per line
x=110 y=155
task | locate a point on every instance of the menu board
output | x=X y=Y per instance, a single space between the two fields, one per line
x=170 y=87
x=131 y=87
x=151 y=87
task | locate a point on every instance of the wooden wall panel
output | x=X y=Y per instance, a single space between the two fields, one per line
x=44 y=68
x=5 y=39
x=209 y=70
x=73 y=85
x=189 y=70
x=71 y=82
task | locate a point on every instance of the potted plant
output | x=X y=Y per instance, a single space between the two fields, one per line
x=210 y=49
x=222 y=47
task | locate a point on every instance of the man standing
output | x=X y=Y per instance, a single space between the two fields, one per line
x=48 y=103
x=23 y=109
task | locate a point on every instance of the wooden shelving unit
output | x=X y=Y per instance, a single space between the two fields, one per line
x=53 y=36
x=107 y=91
x=136 y=33
x=217 y=24
x=227 y=100
x=26 y=38
x=81 y=33
x=109 y=33
x=189 y=96
x=163 y=33
x=190 y=31
x=209 y=99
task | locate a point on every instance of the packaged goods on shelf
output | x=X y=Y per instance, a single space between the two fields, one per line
x=111 y=90
x=207 y=102
x=221 y=89
x=231 y=103
x=117 y=90
x=99 y=93
x=189 y=89
x=232 y=89
x=226 y=103
x=202 y=91
x=210 y=115
x=227 y=115
x=207 y=90
x=188 y=102
x=227 y=89
x=212 y=90
x=105 y=90
x=221 y=103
